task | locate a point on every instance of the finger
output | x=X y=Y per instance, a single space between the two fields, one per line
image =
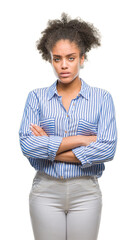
x=36 y=128
x=39 y=130
x=34 y=132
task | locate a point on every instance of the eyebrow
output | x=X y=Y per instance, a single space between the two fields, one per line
x=66 y=55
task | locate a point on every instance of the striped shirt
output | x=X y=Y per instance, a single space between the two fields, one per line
x=90 y=113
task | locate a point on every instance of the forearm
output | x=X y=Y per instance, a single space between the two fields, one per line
x=71 y=142
x=40 y=146
x=65 y=143
x=96 y=153
x=67 y=156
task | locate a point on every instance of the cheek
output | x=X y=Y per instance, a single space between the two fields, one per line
x=55 y=71
x=77 y=67
x=54 y=67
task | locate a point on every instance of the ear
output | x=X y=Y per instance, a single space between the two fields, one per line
x=51 y=58
x=82 y=59
x=50 y=61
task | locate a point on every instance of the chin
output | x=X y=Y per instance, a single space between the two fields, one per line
x=67 y=79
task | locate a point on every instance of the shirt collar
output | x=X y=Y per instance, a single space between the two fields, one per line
x=52 y=90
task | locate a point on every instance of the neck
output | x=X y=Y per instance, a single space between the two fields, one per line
x=71 y=88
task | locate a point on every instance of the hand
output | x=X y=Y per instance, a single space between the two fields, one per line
x=37 y=131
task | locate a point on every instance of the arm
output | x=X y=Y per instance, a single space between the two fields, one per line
x=104 y=148
x=36 y=146
x=63 y=154
x=35 y=143
x=71 y=142
x=68 y=157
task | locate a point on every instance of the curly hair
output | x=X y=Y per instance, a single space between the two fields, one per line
x=84 y=34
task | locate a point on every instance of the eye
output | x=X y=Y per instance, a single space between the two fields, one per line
x=56 y=59
x=71 y=58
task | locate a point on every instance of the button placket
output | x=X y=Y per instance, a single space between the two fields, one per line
x=72 y=118
x=69 y=117
x=66 y=123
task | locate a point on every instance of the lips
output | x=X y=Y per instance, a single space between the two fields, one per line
x=65 y=74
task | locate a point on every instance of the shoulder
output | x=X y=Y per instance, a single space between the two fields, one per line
x=99 y=92
x=104 y=98
x=38 y=93
x=35 y=96
x=99 y=96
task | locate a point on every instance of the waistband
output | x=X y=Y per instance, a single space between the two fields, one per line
x=46 y=176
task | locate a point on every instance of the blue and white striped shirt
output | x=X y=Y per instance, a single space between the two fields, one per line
x=90 y=113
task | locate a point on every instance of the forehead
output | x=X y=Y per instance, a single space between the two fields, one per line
x=65 y=47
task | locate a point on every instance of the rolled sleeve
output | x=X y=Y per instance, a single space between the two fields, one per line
x=53 y=145
x=42 y=147
x=80 y=153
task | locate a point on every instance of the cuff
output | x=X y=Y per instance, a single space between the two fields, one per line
x=80 y=154
x=53 y=145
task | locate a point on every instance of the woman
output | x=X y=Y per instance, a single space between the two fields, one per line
x=68 y=131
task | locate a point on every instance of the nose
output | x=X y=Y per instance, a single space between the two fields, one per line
x=64 y=64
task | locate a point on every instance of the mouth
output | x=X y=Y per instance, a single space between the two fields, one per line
x=65 y=74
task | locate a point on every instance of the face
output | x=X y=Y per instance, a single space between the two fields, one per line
x=66 y=60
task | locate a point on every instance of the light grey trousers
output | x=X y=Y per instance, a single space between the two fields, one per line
x=65 y=209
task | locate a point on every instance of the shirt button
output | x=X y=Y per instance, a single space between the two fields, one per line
x=65 y=131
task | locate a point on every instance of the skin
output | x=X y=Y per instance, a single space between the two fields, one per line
x=65 y=57
x=66 y=63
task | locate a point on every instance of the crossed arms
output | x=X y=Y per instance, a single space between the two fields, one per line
x=85 y=150
x=64 y=153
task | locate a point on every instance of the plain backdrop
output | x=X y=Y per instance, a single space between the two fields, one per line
x=111 y=67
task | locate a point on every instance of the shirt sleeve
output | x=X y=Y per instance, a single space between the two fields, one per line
x=44 y=147
x=104 y=148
